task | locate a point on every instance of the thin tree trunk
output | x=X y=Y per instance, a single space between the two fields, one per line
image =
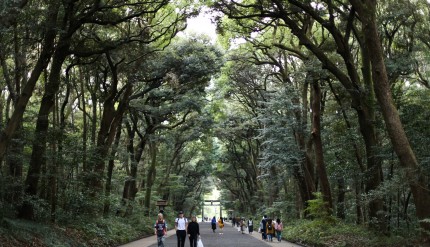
x=150 y=176
x=341 y=198
x=319 y=156
x=111 y=165
x=84 y=122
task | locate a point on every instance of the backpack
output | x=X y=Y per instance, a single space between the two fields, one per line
x=269 y=227
x=279 y=227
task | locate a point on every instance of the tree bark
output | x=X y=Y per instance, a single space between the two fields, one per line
x=367 y=12
x=150 y=176
x=319 y=156
x=305 y=173
x=38 y=158
x=111 y=165
x=27 y=91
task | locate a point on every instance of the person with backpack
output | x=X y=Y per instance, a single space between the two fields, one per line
x=160 y=229
x=278 y=227
x=181 y=225
x=263 y=227
x=270 y=230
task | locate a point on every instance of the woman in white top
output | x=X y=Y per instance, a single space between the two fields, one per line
x=181 y=225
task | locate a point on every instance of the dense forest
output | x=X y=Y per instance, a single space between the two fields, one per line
x=312 y=111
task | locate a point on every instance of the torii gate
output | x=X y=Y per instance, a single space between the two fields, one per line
x=217 y=203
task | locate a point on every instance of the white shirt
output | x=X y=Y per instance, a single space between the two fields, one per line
x=180 y=223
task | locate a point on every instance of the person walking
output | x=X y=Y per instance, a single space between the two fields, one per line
x=263 y=227
x=270 y=230
x=250 y=226
x=193 y=231
x=278 y=227
x=213 y=224
x=221 y=225
x=160 y=230
x=181 y=225
x=242 y=225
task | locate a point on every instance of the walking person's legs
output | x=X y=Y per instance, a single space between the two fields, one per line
x=178 y=237
x=183 y=237
x=191 y=238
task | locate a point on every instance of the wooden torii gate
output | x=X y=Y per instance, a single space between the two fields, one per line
x=215 y=203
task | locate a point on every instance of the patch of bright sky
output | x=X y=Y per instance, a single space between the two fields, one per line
x=201 y=25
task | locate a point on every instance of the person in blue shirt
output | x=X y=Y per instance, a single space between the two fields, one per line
x=213 y=223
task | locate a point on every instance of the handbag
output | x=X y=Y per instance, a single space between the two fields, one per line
x=199 y=243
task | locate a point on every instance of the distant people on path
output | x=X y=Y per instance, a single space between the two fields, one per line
x=263 y=227
x=181 y=225
x=213 y=224
x=221 y=225
x=160 y=229
x=242 y=225
x=270 y=230
x=250 y=226
x=193 y=231
x=278 y=227
x=233 y=220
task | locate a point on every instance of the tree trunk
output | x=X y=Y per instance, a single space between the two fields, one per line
x=319 y=156
x=41 y=64
x=38 y=158
x=360 y=101
x=135 y=153
x=84 y=121
x=111 y=118
x=305 y=173
x=340 y=212
x=111 y=165
x=367 y=12
x=150 y=176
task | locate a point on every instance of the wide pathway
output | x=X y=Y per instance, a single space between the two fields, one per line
x=231 y=237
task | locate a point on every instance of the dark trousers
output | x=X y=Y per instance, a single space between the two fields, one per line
x=263 y=234
x=193 y=241
x=181 y=235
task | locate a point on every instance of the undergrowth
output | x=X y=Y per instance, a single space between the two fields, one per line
x=80 y=232
x=324 y=230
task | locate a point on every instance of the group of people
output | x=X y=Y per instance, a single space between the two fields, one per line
x=182 y=228
x=220 y=224
x=270 y=228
